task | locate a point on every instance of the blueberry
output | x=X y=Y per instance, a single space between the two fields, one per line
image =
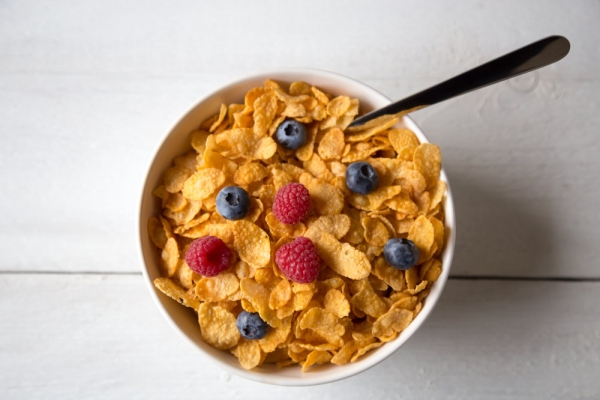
x=291 y=134
x=251 y=326
x=401 y=253
x=361 y=178
x=233 y=202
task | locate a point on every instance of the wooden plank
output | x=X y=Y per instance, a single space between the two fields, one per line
x=82 y=107
x=97 y=337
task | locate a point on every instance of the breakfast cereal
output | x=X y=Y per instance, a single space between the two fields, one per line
x=366 y=212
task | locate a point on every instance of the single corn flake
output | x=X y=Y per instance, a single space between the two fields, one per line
x=437 y=194
x=251 y=243
x=176 y=202
x=376 y=122
x=162 y=193
x=176 y=292
x=376 y=232
x=337 y=168
x=317 y=167
x=422 y=235
x=343 y=258
x=266 y=277
x=220 y=118
x=422 y=201
x=247 y=306
x=157 y=233
x=299 y=87
x=338 y=106
x=305 y=152
x=355 y=233
x=175 y=178
x=368 y=133
x=203 y=183
x=402 y=139
x=249 y=173
x=395 y=320
x=185 y=275
x=302 y=299
x=280 y=178
x=287 y=309
x=316 y=357
x=170 y=257
x=336 y=225
x=406 y=303
x=362 y=331
x=412 y=276
x=217 y=288
x=248 y=353
x=217 y=326
x=332 y=144
x=280 y=295
x=434 y=271
x=428 y=161
x=438 y=231
x=335 y=302
x=319 y=95
x=360 y=151
x=265 y=108
x=326 y=198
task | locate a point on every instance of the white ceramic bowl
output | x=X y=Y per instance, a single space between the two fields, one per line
x=182 y=319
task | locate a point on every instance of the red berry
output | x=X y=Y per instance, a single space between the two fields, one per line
x=291 y=203
x=208 y=256
x=299 y=260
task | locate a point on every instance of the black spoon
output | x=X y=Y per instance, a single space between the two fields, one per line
x=533 y=56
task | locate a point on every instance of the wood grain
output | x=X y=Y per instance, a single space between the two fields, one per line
x=87 y=89
x=98 y=336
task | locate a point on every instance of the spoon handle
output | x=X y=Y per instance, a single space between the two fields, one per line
x=533 y=56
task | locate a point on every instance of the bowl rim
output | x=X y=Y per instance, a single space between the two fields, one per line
x=384 y=351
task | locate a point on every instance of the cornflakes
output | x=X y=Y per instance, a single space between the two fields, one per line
x=358 y=302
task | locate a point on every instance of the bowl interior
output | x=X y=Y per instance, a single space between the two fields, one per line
x=184 y=319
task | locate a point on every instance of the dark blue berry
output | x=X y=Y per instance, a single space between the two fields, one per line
x=291 y=134
x=401 y=253
x=251 y=326
x=233 y=202
x=361 y=178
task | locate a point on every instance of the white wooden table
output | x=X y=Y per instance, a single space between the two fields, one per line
x=88 y=88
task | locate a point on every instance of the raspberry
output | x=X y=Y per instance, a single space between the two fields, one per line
x=208 y=256
x=291 y=203
x=299 y=260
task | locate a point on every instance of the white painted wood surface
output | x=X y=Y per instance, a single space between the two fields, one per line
x=103 y=338
x=88 y=88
